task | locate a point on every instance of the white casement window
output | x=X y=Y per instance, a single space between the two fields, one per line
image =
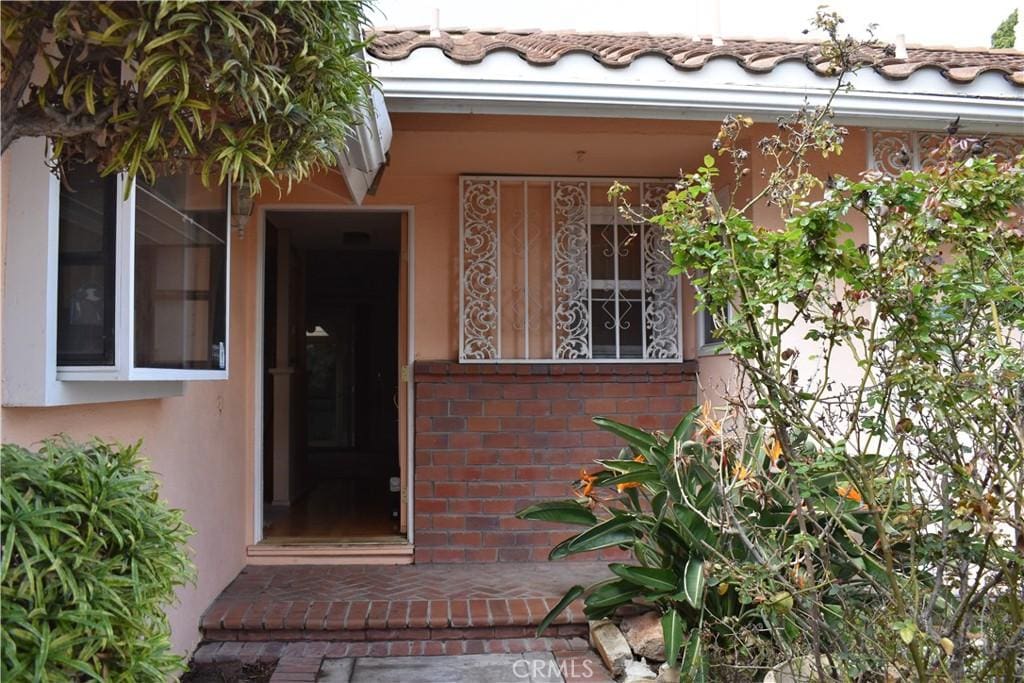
x=551 y=272
x=142 y=281
x=126 y=292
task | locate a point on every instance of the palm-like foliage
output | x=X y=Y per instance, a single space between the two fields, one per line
x=240 y=90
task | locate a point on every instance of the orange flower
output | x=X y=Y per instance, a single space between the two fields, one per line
x=773 y=451
x=850 y=493
x=740 y=472
x=631 y=484
x=709 y=426
x=587 y=480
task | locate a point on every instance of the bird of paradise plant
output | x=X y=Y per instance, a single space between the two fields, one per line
x=712 y=543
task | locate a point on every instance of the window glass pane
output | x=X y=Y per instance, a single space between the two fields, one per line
x=616 y=310
x=180 y=274
x=629 y=256
x=85 y=268
x=631 y=325
x=710 y=329
x=602 y=317
x=631 y=333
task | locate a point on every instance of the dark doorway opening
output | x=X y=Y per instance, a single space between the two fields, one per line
x=331 y=389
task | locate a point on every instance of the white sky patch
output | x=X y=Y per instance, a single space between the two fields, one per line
x=923 y=22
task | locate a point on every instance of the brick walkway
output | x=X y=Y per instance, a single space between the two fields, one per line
x=295 y=616
x=397 y=603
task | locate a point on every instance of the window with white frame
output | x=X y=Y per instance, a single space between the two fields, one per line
x=142 y=280
x=707 y=331
x=551 y=272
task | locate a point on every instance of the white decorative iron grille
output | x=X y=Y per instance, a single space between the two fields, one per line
x=893 y=152
x=551 y=272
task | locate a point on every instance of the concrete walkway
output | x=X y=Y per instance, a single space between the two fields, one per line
x=530 y=667
x=523 y=668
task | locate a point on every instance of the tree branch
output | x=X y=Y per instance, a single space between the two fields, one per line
x=30 y=121
x=19 y=76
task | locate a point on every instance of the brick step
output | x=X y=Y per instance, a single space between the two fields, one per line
x=388 y=620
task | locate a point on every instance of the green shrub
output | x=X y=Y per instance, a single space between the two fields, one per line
x=710 y=519
x=91 y=556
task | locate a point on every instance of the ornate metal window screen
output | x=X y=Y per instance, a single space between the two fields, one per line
x=893 y=152
x=550 y=272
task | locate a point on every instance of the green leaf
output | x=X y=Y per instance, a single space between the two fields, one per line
x=634 y=436
x=661 y=580
x=567 y=599
x=565 y=511
x=672 y=628
x=907 y=632
x=561 y=550
x=90 y=94
x=612 y=532
x=693 y=667
x=693 y=581
x=608 y=596
x=691 y=527
x=646 y=474
x=684 y=429
x=709 y=161
x=781 y=602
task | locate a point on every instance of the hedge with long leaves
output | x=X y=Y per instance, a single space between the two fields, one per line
x=91 y=557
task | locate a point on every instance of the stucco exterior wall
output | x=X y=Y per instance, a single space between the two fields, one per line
x=198 y=444
x=202 y=443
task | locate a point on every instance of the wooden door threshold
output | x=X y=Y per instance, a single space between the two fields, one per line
x=314 y=551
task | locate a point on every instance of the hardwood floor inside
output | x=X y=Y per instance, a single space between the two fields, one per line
x=353 y=507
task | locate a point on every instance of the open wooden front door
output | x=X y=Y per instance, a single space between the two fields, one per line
x=404 y=374
x=337 y=431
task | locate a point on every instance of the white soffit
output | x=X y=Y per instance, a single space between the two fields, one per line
x=650 y=87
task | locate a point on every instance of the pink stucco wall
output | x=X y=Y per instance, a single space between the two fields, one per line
x=197 y=443
x=202 y=443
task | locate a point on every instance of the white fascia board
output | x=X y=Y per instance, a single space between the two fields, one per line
x=577 y=85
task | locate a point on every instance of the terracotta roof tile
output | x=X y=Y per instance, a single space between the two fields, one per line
x=756 y=56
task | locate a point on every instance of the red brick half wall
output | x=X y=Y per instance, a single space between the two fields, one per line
x=492 y=439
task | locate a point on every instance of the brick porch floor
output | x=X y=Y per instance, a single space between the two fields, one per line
x=400 y=604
